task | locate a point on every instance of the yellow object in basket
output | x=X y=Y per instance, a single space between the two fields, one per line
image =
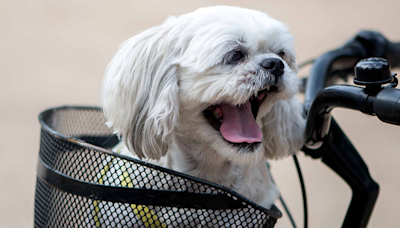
x=143 y=212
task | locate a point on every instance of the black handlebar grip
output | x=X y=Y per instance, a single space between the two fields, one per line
x=387 y=105
x=393 y=54
x=374 y=44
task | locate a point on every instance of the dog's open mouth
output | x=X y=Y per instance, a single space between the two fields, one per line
x=237 y=124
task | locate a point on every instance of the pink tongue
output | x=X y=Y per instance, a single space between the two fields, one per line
x=239 y=125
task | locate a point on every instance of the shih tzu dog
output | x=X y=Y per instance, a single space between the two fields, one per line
x=210 y=94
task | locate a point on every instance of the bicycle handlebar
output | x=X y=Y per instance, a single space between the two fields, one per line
x=394 y=54
x=385 y=105
x=324 y=137
x=365 y=44
x=374 y=99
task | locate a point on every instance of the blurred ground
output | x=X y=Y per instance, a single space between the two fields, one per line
x=54 y=53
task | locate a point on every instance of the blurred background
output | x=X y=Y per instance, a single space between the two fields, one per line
x=54 y=53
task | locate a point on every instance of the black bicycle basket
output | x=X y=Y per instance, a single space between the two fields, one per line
x=82 y=183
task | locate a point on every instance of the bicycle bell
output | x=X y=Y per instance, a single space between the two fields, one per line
x=373 y=72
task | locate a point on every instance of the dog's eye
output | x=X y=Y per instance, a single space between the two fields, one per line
x=236 y=56
x=281 y=54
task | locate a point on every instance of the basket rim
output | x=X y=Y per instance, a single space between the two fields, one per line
x=274 y=211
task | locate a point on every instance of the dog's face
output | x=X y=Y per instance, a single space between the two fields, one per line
x=207 y=77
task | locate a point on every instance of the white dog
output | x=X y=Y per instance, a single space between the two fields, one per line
x=210 y=94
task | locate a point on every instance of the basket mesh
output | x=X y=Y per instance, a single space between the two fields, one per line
x=74 y=144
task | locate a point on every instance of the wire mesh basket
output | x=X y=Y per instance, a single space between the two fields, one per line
x=82 y=183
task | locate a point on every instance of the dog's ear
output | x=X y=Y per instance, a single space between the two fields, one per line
x=283 y=128
x=140 y=92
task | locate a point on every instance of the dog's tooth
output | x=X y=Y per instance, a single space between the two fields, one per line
x=218 y=113
x=268 y=87
x=219 y=110
x=215 y=114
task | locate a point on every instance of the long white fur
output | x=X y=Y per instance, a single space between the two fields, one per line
x=160 y=81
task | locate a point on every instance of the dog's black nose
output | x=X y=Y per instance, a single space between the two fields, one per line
x=274 y=66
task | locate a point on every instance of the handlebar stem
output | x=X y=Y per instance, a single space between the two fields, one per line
x=343 y=158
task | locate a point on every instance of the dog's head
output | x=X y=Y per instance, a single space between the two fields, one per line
x=209 y=76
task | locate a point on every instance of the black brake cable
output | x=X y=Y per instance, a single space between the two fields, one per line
x=296 y=162
x=282 y=201
x=287 y=211
x=303 y=191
